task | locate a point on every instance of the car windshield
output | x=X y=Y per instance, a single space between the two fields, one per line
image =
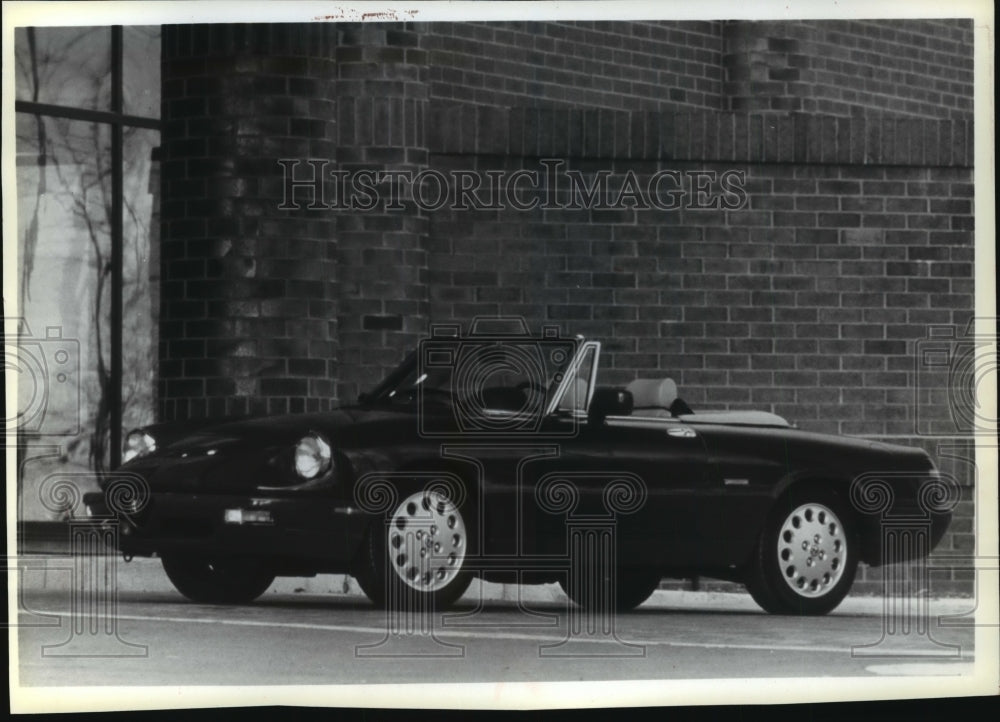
x=489 y=375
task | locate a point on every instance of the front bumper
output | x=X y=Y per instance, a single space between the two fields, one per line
x=903 y=538
x=324 y=532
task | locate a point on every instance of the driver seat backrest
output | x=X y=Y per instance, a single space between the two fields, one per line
x=652 y=397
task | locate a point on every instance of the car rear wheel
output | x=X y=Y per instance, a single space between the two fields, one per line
x=222 y=580
x=806 y=556
x=632 y=588
x=416 y=557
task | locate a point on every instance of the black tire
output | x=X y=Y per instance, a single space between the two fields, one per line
x=807 y=554
x=389 y=570
x=632 y=588
x=222 y=580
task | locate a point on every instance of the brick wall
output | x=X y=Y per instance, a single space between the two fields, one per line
x=382 y=100
x=249 y=323
x=810 y=300
x=920 y=68
x=596 y=64
x=248 y=294
x=908 y=67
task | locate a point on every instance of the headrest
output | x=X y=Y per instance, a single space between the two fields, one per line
x=652 y=393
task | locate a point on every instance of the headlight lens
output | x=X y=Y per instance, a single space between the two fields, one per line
x=138 y=443
x=312 y=456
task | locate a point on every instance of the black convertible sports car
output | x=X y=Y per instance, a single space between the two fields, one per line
x=495 y=454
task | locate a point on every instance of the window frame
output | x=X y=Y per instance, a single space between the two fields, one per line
x=117 y=120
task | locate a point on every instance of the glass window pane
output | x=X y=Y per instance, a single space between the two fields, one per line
x=576 y=394
x=64 y=66
x=141 y=70
x=141 y=274
x=63 y=187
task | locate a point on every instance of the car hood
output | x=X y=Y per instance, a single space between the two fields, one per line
x=234 y=455
x=264 y=431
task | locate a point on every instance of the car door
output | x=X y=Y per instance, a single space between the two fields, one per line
x=743 y=467
x=671 y=460
x=569 y=487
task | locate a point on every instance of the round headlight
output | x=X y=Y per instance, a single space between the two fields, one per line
x=138 y=443
x=312 y=456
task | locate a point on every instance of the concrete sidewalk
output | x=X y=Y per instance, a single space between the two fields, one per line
x=143 y=575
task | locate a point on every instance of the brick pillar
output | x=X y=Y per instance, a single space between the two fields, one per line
x=249 y=306
x=382 y=97
x=764 y=65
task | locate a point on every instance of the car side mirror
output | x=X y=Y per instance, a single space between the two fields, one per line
x=609 y=402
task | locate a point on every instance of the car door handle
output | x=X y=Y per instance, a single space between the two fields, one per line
x=681 y=432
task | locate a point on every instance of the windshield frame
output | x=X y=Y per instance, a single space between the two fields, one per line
x=380 y=394
x=571 y=373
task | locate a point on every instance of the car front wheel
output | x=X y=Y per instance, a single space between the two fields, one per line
x=222 y=580
x=806 y=556
x=416 y=557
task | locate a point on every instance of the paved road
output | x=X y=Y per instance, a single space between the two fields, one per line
x=334 y=639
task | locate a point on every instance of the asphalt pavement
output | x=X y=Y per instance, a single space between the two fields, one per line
x=322 y=631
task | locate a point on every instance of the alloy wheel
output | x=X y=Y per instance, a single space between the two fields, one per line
x=812 y=550
x=427 y=541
